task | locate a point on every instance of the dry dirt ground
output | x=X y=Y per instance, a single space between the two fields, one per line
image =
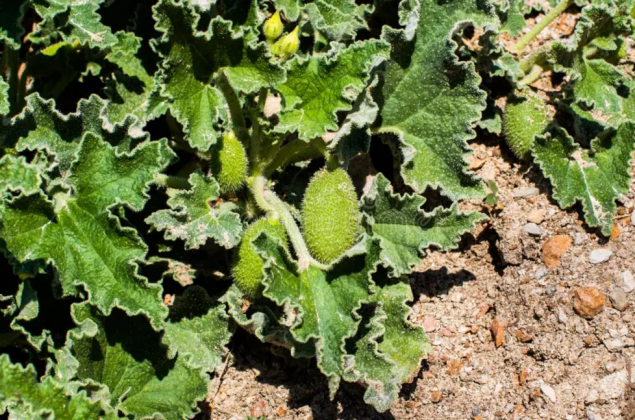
x=551 y=363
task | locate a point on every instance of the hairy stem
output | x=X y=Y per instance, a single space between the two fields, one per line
x=12 y=64
x=554 y=13
x=539 y=57
x=269 y=202
x=262 y=98
x=283 y=156
x=235 y=110
x=174 y=182
x=23 y=75
x=254 y=147
x=532 y=76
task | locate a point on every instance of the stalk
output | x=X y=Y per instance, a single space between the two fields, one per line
x=532 y=76
x=269 y=201
x=554 y=13
x=23 y=75
x=12 y=62
x=235 y=110
x=285 y=154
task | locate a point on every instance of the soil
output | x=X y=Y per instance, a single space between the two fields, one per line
x=551 y=363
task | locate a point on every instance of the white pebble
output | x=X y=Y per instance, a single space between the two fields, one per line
x=601 y=255
x=532 y=229
x=629 y=281
x=549 y=392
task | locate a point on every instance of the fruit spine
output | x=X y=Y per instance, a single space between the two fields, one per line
x=524 y=118
x=229 y=163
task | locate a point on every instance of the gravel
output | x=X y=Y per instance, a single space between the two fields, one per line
x=526 y=192
x=618 y=298
x=629 y=281
x=549 y=392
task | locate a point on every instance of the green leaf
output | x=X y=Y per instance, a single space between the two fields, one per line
x=391 y=348
x=195 y=217
x=325 y=302
x=11 y=15
x=191 y=61
x=595 y=177
x=127 y=356
x=512 y=17
x=595 y=80
x=83 y=23
x=290 y=8
x=338 y=20
x=404 y=230
x=77 y=234
x=41 y=127
x=430 y=99
x=267 y=322
x=198 y=330
x=16 y=174
x=4 y=98
x=44 y=399
x=320 y=86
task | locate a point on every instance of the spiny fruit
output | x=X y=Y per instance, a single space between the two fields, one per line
x=524 y=118
x=273 y=27
x=330 y=216
x=248 y=265
x=229 y=163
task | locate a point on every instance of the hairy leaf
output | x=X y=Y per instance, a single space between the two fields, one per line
x=195 y=217
x=326 y=301
x=20 y=386
x=291 y=8
x=595 y=177
x=191 y=61
x=4 y=97
x=430 y=99
x=77 y=234
x=320 y=86
x=337 y=19
x=16 y=174
x=404 y=230
x=11 y=14
x=127 y=356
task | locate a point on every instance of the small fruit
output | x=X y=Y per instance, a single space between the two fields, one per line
x=229 y=163
x=273 y=27
x=288 y=44
x=524 y=118
x=330 y=215
x=248 y=265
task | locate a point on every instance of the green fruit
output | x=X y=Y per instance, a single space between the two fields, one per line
x=525 y=117
x=229 y=163
x=330 y=216
x=273 y=27
x=248 y=265
x=288 y=44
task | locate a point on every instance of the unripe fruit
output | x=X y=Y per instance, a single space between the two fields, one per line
x=248 y=265
x=273 y=27
x=229 y=163
x=330 y=216
x=288 y=44
x=524 y=118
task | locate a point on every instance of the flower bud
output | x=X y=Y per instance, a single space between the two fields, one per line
x=273 y=27
x=288 y=44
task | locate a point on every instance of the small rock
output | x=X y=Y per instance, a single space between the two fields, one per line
x=550 y=289
x=532 y=229
x=613 y=344
x=539 y=311
x=554 y=248
x=591 y=397
x=618 y=299
x=549 y=392
x=498 y=331
x=592 y=416
x=612 y=386
x=598 y=256
x=536 y=216
x=437 y=396
x=522 y=337
x=629 y=281
x=476 y=411
x=541 y=273
x=526 y=192
x=578 y=239
x=588 y=301
x=429 y=324
x=562 y=317
x=633 y=218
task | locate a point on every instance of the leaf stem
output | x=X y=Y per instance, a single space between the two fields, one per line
x=235 y=110
x=12 y=62
x=532 y=76
x=23 y=75
x=170 y=181
x=269 y=202
x=283 y=156
x=549 y=17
